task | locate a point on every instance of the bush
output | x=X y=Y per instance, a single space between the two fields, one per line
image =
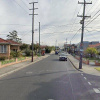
x=28 y=52
x=2 y=58
x=15 y=54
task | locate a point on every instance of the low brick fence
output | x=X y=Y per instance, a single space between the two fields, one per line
x=97 y=63
x=16 y=61
x=84 y=61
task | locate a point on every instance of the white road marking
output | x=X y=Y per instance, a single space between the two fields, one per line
x=82 y=74
x=50 y=99
x=96 y=90
x=85 y=78
x=89 y=83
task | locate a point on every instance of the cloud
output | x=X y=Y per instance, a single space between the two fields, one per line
x=58 y=19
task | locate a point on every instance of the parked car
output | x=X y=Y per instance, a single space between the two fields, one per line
x=56 y=52
x=63 y=57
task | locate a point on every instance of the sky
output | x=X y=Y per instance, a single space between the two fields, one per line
x=58 y=20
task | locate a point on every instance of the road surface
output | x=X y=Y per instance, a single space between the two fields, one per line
x=48 y=79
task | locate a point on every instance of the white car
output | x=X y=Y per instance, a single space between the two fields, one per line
x=63 y=57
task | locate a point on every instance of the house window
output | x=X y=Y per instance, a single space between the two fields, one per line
x=3 y=48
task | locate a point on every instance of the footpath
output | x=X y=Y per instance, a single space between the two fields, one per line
x=13 y=68
x=89 y=69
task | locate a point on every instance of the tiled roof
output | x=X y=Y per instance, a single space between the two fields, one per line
x=12 y=42
x=2 y=41
x=95 y=45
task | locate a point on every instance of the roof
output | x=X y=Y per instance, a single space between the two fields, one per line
x=13 y=42
x=95 y=45
x=2 y=41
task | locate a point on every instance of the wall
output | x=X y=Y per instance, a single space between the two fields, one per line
x=6 y=54
x=84 y=61
x=14 y=47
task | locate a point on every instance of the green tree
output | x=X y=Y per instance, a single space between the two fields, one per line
x=13 y=36
x=91 y=51
x=36 y=48
x=24 y=46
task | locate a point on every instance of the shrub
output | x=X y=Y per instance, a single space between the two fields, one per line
x=15 y=54
x=28 y=52
x=2 y=58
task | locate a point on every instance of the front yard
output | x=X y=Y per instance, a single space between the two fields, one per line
x=3 y=62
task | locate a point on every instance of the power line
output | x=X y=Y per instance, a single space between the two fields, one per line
x=20 y=5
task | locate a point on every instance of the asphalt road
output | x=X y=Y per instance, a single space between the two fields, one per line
x=48 y=79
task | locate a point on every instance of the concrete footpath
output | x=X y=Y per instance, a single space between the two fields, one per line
x=13 y=68
x=85 y=68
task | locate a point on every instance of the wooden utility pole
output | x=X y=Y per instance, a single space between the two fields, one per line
x=33 y=27
x=82 y=22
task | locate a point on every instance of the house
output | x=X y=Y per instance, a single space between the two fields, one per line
x=97 y=46
x=6 y=46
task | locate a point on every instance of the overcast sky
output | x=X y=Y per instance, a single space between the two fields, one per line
x=58 y=20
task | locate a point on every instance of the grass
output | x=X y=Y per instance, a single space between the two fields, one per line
x=7 y=61
x=21 y=58
x=98 y=69
x=3 y=62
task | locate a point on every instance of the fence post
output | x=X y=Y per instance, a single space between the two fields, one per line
x=88 y=62
x=16 y=59
x=0 y=64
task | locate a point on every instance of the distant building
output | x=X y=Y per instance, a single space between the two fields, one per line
x=86 y=44
x=93 y=42
x=97 y=46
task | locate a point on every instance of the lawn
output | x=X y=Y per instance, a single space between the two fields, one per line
x=12 y=60
x=7 y=61
x=98 y=68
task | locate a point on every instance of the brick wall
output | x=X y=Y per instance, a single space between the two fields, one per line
x=7 y=54
x=84 y=61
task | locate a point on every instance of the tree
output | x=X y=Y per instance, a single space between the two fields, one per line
x=13 y=36
x=24 y=46
x=91 y=51
x=36 y=48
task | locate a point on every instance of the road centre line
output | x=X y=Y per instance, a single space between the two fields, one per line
x=85 y=78
x=89 y=83
x=82 y=74
x=96 y=90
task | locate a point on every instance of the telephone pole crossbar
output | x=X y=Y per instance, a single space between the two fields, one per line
x=33 y=27
x=82 y=22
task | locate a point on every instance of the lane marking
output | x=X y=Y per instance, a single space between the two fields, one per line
x=50 y=99
x=85 y=78
x=82 y=74
x=89 y=83
x=96 y=90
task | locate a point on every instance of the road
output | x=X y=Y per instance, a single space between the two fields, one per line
x=48 y=79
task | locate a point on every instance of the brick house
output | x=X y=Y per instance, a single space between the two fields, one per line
x=6 y=46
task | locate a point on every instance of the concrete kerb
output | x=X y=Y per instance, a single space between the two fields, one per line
x=10 y=72
x=74 y=66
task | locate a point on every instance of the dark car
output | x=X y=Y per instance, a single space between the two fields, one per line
x=63 y=57
x=56 y=52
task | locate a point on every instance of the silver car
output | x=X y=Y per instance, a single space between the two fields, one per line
x=63 y=57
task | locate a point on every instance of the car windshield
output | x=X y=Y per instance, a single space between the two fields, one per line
x=63 y=55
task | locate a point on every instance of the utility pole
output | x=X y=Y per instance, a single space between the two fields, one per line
x=33 y=27
x=82 y=22
x=39 y=40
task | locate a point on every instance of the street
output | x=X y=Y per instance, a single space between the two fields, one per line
x=48 y=79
